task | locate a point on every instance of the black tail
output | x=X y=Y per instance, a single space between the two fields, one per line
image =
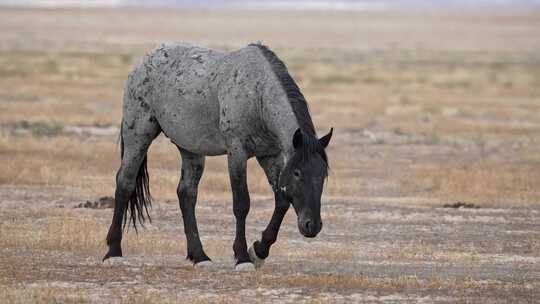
x=140 y=199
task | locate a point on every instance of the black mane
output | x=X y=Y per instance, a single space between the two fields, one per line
x=310 y=145
x=298 y=103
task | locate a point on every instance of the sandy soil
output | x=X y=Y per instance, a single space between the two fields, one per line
x=368 y=251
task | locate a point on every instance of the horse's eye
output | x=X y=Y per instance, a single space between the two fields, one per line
x=296 y=172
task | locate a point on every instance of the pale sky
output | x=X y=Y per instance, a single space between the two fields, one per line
x=291 y=4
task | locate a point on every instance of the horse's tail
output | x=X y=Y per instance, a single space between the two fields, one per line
x=141 y=199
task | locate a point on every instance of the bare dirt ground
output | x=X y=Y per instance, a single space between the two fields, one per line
x=430 y=108
x=370 y=250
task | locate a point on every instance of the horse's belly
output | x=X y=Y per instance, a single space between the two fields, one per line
x=193 y=125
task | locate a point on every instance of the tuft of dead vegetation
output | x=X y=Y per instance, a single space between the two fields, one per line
x=104 y=202
x=459 y=205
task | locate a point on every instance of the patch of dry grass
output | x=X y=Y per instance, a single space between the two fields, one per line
x=79 y=232
x=489 y=183
x=55 y=294
x=13 y=295
x=346 y=282
x=464 y=106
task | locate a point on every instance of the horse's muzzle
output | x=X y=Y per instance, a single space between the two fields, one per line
x=309 y=227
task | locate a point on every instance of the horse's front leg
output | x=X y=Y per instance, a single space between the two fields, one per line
x=260 y=249
x=237 y=160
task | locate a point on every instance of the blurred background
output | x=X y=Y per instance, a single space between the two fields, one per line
x=430 y=99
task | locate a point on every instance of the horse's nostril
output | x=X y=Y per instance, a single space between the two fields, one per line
x=308 y=225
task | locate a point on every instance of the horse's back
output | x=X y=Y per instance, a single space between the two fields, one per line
x=204 y=98
x=173 y=81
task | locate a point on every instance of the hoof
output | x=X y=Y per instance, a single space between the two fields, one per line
x=244 y=267
x=203 y=265
x=257 y=261
x=115 y=251
x=113 y=261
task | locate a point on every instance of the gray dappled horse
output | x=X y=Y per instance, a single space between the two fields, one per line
x=243 y=104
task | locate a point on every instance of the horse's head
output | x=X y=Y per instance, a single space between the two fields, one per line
x=302 y=180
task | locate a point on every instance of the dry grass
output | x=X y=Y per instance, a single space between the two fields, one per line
x=53 y=294
x=76 y=231
x=485 y=121
x=39 y=295
x=472 y=109
x=64 y=239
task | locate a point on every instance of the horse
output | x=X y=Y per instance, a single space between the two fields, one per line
x=243 y=104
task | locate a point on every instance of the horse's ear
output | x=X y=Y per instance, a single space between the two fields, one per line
x=326 y=139
x=297 y=139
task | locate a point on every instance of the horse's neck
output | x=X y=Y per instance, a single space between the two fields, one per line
x=282 y=123
x=280 y=120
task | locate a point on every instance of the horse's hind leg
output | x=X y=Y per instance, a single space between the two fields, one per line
x=138 y=130
x=192 y=170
